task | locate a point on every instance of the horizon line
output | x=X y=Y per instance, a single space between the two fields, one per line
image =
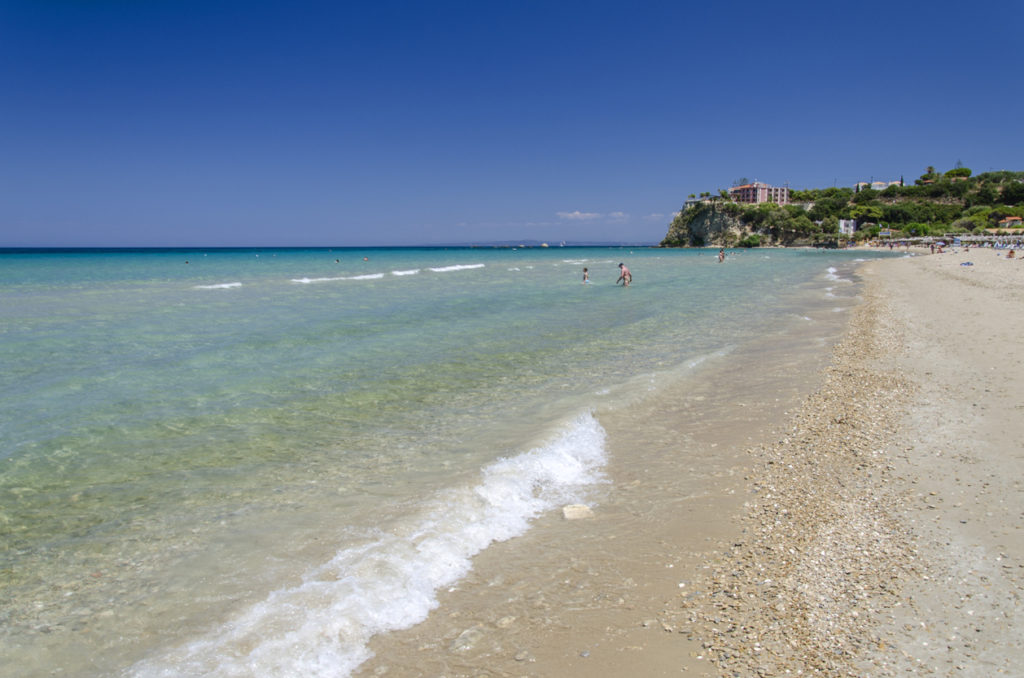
x=540 y=244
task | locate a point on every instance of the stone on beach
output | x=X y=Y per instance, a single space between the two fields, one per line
x=577 y=512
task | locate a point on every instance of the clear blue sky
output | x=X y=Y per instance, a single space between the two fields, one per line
x=175 y=122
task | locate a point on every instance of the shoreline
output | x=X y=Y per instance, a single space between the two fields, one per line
x=817 y=547
x=866 y=523
x=571 y=597
x=882 y=534
x=674 y=485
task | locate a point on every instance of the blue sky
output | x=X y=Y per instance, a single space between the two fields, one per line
x=178 y=123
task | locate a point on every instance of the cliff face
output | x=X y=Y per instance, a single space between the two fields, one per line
x=704 y=226
x=723 y=225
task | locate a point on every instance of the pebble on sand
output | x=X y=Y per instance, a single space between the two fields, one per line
x=577 y=512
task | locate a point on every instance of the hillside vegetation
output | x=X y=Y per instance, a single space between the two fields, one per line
x=937 y=204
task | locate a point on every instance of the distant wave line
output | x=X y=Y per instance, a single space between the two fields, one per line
x=456 y=267
x=378 y=276
x=369 y=276
x=221 y=286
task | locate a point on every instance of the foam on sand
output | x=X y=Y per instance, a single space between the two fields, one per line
x=322 y=626
x=833 y=274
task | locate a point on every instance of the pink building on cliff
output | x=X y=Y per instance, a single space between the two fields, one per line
x=758 y=192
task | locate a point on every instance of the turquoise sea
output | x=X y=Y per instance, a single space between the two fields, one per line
x=251 y=462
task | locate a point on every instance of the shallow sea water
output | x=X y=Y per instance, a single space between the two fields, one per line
x=255 y=462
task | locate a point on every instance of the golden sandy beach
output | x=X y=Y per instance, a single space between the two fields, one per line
x=870 y=528
x=883 y=531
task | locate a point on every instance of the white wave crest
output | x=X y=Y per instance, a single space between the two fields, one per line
x=322 y=626
x=221 y=286
x=308 y=281
x=456 y=267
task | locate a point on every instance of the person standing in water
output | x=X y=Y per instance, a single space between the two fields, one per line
x=625 y=277
x=721 y=255
x=586 y=275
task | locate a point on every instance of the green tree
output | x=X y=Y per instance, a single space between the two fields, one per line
x=866 y=213
x=1013 y=193
x=987 y=195
x=957 y=189
x=866 y=194
x=805 y=226
x=928 y=176
x=794 y=211
x=897 y=213
x=969 y=224
x=977 y=210
x=997 y=214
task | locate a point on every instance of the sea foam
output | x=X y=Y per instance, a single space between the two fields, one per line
x=369 y=276
x=322 y=626
x=833 y=274
x=221 y=286
x=456 y=267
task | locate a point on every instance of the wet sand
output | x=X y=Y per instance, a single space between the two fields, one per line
x=602 y=595
x=855 y=513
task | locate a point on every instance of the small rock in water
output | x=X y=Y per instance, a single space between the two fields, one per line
x=467 y=639
x=576 y=512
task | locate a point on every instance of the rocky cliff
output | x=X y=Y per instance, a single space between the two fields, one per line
x=727 y=224
x=705 y=226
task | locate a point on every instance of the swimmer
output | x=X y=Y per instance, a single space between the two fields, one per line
x=625 y=277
